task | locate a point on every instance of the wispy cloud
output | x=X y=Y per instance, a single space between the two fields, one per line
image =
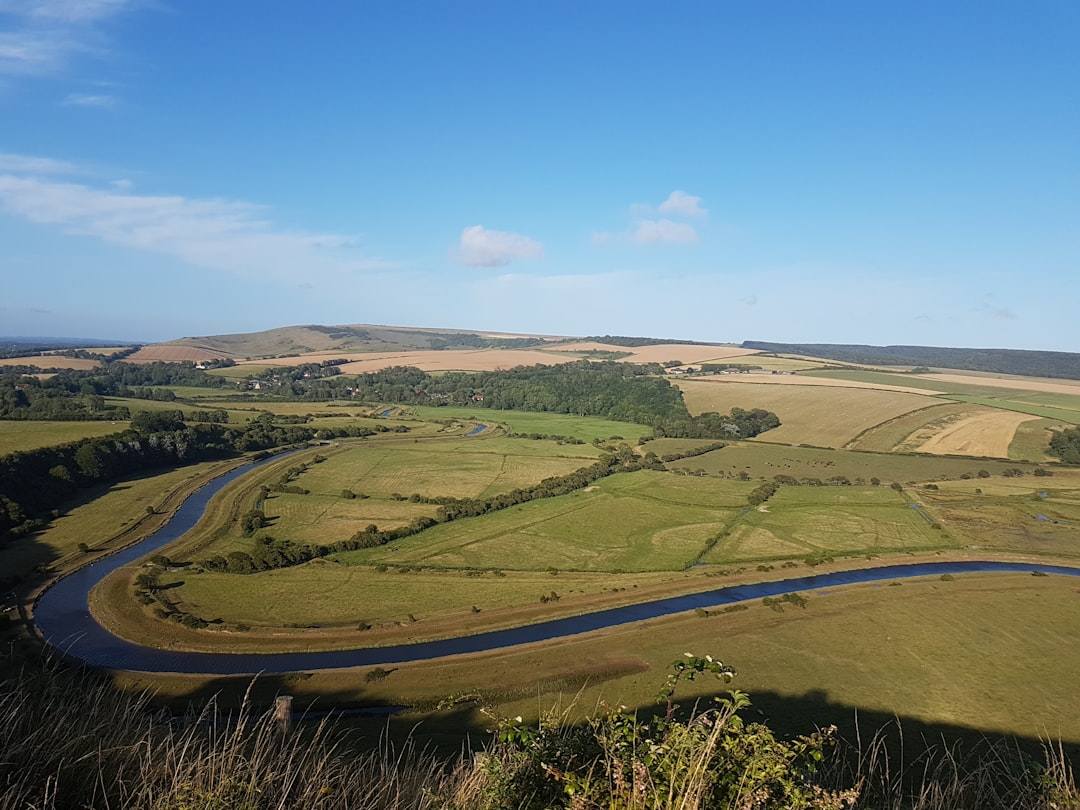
x=480 y=247
x=28 y=164
x=659 y=223
x=225 y=235
x=42 y=36
x=663 y=230
x=90 y=100
x=65 y=11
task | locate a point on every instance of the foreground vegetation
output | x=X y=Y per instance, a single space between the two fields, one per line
x=414 y=518
x=113 y=750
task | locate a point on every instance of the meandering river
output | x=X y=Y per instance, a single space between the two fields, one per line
x=63 y=613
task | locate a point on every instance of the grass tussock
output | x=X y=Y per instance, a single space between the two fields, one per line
x=69 y=740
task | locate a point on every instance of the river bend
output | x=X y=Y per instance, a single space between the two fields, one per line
x=63 y=613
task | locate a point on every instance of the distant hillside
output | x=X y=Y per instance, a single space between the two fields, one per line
x=294 y=340
x=1065 y=365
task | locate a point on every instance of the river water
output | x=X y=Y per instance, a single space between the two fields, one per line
x=63 y=614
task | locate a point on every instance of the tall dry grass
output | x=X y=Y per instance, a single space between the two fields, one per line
x=69 y=740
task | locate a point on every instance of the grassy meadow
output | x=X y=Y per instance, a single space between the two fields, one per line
x=930 y=650
x=25 y=435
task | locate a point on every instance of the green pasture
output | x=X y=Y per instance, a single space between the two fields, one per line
x=801 y=521
x=19 y=436
x=643 y=521
x=1027 y=515
x=327 y=594
x=460 y=468
x=760 y=459
x=585 y=428
x=818 y=415
x=1032 y=440
x=135 y=405
x=947 y=654
x=1021 y=404
x=100 y=516
x=457 y=468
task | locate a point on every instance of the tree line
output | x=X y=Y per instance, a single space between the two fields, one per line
x=35 y=484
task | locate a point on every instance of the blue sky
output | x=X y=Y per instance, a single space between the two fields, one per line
x=818 y=171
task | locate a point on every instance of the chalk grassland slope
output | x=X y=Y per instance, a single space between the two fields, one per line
x=494 y=359
x=453 y=360
x=18 y=436
x=50 y=361
x=823 y=416
x=171 y=353
x=316 y=338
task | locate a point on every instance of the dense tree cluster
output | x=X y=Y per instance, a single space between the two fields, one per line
x=35 y=483
x=77 y=395
x=738 y=424
x=1065 y=444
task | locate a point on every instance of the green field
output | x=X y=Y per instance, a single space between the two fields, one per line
x=462 y=468
x=18 y=436
x=800 y=522
x=636 y=536
x=643 y=521
x=585 y=428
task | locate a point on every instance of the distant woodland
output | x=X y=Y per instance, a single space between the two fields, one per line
x=1064 y=365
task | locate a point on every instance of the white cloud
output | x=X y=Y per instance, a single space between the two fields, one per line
x=42 y=35
x=89 y=100
x=221 y=235
x=69 y=11
x=649 y=227
x=28 y=164
x=664 y=230
x=483 y=248
x=681 y=204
